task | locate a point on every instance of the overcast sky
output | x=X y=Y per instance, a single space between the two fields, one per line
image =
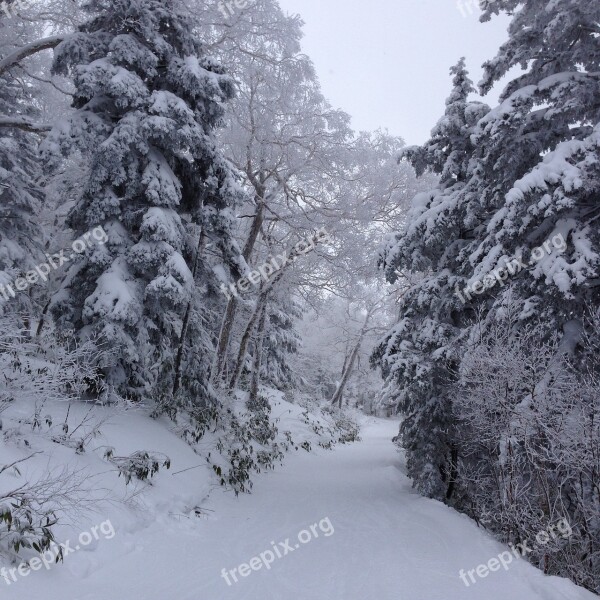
x=386 y=62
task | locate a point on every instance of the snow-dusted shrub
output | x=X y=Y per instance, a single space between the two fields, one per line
x=141 y=465
x=30 y=510
x=528 y=445
x=47 y=368
x=25 y=519
x=344 y=426
x=247 y=442
x=338 y=426
x=37 y=372
x=248 y=445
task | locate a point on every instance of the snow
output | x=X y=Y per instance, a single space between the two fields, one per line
x=162 y=224
x=203 y=77
x=162 y=186
x=388 y=542
x=117 y=295
x=166 y=103
x=100 y=76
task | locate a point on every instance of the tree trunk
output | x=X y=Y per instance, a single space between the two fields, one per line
x=258 y=350
x=349 y=363
x=231 y=310
x=346 y=359
x=339 y=393
x=186 y=318
x=453 y=472
x=265 y=290
x=223 y=343
x=40 y=326
x=239 y=363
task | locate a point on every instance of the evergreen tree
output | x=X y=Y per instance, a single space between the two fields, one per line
x=448 y=151
x=147 y=101
x=281 y=339
x=512 y=179
x=418 y=355
x=20 y=192
x=538 y=164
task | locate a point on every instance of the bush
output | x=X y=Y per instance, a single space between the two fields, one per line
x=527 y=445
x=29 y=512
x=140 y=465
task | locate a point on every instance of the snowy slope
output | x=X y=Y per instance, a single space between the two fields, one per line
x=385 y=542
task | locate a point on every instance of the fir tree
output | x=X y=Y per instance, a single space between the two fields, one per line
x=281 y=339
x=419 y=355
x=20 y=192
x=147 y=101
x=538 y=166
x=512 y=179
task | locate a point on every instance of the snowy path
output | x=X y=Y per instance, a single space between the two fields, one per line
x=388 y=544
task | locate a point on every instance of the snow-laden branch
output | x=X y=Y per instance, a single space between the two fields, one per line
x=28 y=50
x=24 y=124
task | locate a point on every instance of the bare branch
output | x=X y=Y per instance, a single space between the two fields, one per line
x=29 y=50
x=24 y=124
x=6 y=467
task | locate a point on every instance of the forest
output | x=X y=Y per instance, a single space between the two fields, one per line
x=222 y=305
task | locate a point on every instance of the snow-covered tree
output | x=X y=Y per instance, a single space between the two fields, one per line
x=147 y=102
x=282 y=135
x=417 y=356
x=281 y=339
x=21 y=194
x=448 y=151
x=518 y=182
x=528 y=444
x=538 y=160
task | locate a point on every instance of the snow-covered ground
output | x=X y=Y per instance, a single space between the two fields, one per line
x=372 y=538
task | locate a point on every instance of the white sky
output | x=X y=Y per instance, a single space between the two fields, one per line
x=386 y=62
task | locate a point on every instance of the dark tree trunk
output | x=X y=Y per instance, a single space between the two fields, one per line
x=186 y=318
x=258 y=350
